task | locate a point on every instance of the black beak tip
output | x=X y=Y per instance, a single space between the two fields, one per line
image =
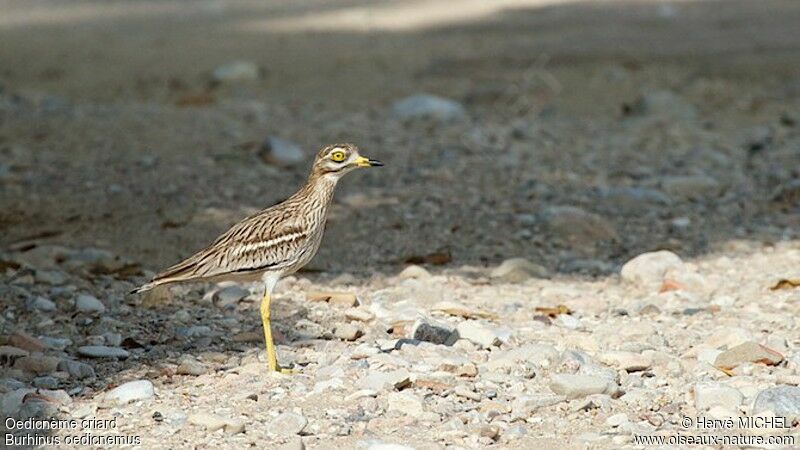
x=375 y=163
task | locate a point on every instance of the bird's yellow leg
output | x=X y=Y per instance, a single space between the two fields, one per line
x=272 y=359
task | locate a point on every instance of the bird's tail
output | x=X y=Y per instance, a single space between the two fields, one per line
x=145 y=287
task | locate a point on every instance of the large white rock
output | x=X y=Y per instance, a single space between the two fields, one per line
x=648 y=269
x=707 y=395
x=575 y=386
x=130 y=392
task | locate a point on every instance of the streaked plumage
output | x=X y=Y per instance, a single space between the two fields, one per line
x=276 y=241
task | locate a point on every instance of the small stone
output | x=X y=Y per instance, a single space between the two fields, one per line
x=38 y=364
x=387 y=446
x=196 y=331
x=380 y=381
x=457 y=309
x=130 y=392
x=517 y=270
x=102 y=351
x=342 y=299
x=236 y=71
x=348 y=332
x=76 y=369
x=433 y=331
x=627 y=361
x=479 y=333
x=575 y=386
x=490 y=431
x=463 y=391
x=27 y=342
x=648 y=269
x=405 y=403
x=43 y=304
x=745 y=353
x=86 y=303
x=46 y=382
x=294 y=444
x=280 y=152
x=783 y=401
x=617 y=420
x=359 y=314
x=414 y=272
x=230 y=295
x=691 y=187
x=213 y=422
x=190 y=366
x=428 y=107
x=288 y=424
x=51 y=277
x=707 y=395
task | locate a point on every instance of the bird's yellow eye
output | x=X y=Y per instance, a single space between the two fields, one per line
x=337 y=156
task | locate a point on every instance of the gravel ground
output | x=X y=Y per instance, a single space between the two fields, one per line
x=579 y=236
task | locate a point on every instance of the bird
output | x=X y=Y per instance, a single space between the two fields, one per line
x=274 y=242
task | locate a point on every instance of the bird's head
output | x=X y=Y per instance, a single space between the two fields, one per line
x=338 y=159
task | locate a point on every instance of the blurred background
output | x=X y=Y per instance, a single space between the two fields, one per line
x=575 y=133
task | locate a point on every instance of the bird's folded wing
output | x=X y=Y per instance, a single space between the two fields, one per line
x=255 y=244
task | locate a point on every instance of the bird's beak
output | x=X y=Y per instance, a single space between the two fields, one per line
x=366 y=162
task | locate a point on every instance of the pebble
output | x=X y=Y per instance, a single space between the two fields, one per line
x=27 y=342
x=281 y=152
x=46 y=382
x=405 y=403
x=435 y=332
x=51 y=277
x=428 y=107
x=745 y=353
x=190 y=366
x=341 y=299
x=648 y=269
x=230 y=295
x=213 y=422
x=707 y=395
x=574 y=386
x=102 y=351
x=387 y=446
x=348 y=332
x=359 y=314
x=43 y=304
x=464 y=391
x=89 y=304
x=130 y=392
x=380 y=381
x=627 y=361
x=38 y=364
x=414 y=272
x=236 y=71
x=517 y=270
x=479 y=333
x=617 y=420
x=77 y=369
x=288 y=424
x=781 y=400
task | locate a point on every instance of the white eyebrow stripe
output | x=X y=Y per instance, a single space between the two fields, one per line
x=266 y=244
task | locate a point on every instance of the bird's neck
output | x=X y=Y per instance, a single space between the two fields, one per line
x=319 y=189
